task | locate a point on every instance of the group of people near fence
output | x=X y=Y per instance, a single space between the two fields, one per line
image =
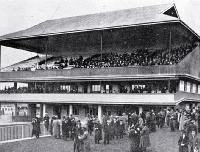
x=138 y=127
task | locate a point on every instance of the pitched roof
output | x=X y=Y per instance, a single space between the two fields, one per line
x=120 y=18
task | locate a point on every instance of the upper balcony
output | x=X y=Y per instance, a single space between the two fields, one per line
x=189 y=66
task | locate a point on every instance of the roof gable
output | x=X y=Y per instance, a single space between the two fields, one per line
x=172 y=12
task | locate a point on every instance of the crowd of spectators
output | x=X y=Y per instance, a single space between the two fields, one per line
x=147 y=88
x=139 y=57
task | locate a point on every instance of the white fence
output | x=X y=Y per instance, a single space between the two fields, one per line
x=19 y=131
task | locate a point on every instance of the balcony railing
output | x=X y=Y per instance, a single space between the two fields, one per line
x=88 y=73
x=159 y=99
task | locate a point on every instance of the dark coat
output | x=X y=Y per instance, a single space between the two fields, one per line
x=134 y=137
x=98 y=132
x=46 y=122
x=185 y=142
x=36 y=127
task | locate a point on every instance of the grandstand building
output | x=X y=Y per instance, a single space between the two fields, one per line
x=113 y=62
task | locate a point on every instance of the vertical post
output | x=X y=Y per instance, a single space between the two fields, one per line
x=46 y=60
x=140 y=109
x=101 y=45
x=170 y=42
x=22 y=131
x=70 y=109
x=99 y=113
x=169 y=86
x=16 y=110
x=44 y=110
x=46 y=50
x=0 y=58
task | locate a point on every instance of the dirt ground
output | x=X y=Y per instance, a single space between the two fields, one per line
x=161 y=141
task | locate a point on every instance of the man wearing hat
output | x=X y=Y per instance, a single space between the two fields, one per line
x=183 y=142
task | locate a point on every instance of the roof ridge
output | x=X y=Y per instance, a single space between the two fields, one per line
x=118 y=10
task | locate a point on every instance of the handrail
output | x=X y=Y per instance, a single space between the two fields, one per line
x=84 y=72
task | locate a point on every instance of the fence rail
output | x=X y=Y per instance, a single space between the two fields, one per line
x=16 y=131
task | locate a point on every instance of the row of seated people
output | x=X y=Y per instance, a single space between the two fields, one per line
x=142 y=57
x=139 y=57
x=75 y=90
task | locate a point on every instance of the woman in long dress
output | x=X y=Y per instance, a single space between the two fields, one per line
x=56 y=128
x=182 y=121
x=144 y=138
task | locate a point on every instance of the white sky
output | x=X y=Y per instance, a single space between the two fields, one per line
x=21 y=14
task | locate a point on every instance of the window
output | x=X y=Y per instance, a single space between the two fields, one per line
x=96 y=88
x=65 y=88
x=194 y=88
x=188 y=87
x=198 y=89
x=181 y=85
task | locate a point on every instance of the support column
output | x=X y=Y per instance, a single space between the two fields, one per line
x=140 y=109
x=41 y=111
x=0 y=58
x=70 y=109
x=100 y=113
x=44 y=109
x=169 y=86
x=16 y=112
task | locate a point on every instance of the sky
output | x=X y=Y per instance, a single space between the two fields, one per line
x=18 y=15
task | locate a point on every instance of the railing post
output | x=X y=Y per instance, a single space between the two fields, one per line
x=22 y=131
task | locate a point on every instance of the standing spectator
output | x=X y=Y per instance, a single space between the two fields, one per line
x=134 y=136
x=124 y=119
x=121 y=129
x=97 y=132
x=56 y=128
x=182 y=120
x=36 y=127
x=183 y=142
x=152 y=121
x=77 y=132
x=107 y=129
x=134 y=118
x=51 y=125
x=90 y=125
x=173 y=120
x=64 y=128
x=144 y=138
x=194 y=141
x=83 y=140
x=46 y=121
x=73 y=128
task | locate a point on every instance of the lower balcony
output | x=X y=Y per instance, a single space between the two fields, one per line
x=142 y=99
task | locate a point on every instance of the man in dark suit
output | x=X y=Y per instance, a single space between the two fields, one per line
x=183 y=142
x=107 y=130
